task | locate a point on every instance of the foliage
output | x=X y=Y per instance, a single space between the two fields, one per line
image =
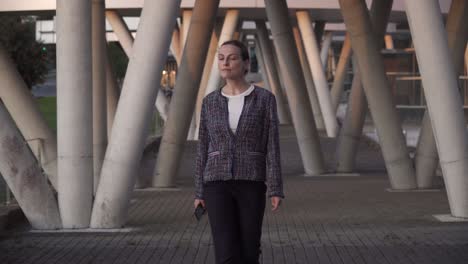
x=48 y=108
x=17 y=36
x=118 y=60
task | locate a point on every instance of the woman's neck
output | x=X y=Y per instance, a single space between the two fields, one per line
x=235 y=87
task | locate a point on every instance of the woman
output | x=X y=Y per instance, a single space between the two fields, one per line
x=238 y=152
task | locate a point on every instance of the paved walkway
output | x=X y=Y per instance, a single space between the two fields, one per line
x=348 y=219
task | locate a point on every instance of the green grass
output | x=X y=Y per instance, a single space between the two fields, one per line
x=48 y=108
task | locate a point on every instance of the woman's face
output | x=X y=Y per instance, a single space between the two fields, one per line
x=230 y=63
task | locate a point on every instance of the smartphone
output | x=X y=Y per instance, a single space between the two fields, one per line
x=199 y=212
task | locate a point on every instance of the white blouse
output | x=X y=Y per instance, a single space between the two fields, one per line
x=235 y=106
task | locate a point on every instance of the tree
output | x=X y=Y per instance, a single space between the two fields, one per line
x=17 y=36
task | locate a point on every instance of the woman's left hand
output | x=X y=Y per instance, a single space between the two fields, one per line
x=275 y=203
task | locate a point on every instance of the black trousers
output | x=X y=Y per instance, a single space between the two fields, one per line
x=235 y=210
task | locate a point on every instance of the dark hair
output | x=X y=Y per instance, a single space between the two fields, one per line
x=243 y=49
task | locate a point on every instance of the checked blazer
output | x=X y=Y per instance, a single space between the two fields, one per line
x=252 y=153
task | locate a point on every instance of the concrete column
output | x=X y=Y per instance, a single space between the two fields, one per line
x=112 y=94
x=318 y=73
x=184 y=99
x=24 y=110
x=175 y=45
x=388 y=42
x=357 y=106
x=261 y=63
x=229 y=26
x=351 y=131
x=121 y=30
x=341 y=72
x=466 y=58
x=309 y=81
x=213 y=48
x=74 y=112
x=426 y=159
x=325 y=48
x=135 y=108
x=367 y=51
x=290 y=69
x=272 y=72
x=186 y=18
x=99 y=51
x=24 y=177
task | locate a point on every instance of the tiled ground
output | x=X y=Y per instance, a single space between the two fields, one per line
x=322 y=220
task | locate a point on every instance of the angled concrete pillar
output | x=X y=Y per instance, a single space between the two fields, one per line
x=112 y=94
x=426 y=158
x=184 y=99
x=25 y=111
x=351 y=130
x=445 y=107
x=309 y=81
x=74 y=112
x=135 y=108
x=186 y=18
x=229 y=26
x=175 y=44
x=24 y=177
x=213 y=48
x=367 y=51
x=272 y=72
x=340 y=73
x=318 y=73
x=357 y=105
x=325 y=48
x=261 y=63
x=121 y=30
x=99 y=54
x=290 y=69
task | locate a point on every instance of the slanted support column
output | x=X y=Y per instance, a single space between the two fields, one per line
x=367 y=51
x=176 y=44
x=135 y=108
x=99 y=52
x=272 y=72
x=351 y=131
x=184 y=99
x=357 y=105
x=309 y=81
x=203 y=83
x=426 y=159
x=25 y=111
x=261 y=62
x=318 y=73
x=186 y=18
x=19 y=168
x=74 y=112
x=121 y=30
x=445 y=108
x=112 y=94
x=229 y=26
x=327 y=40
x=290 y=70
x=340 y=74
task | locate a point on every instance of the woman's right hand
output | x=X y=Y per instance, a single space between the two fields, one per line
x=199 y=201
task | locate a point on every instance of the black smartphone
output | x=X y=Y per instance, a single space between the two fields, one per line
x=199 y=212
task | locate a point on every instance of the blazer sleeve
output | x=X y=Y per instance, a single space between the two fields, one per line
x=273 y=160
x=202 y=153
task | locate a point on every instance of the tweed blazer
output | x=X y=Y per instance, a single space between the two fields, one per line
x=252 y=153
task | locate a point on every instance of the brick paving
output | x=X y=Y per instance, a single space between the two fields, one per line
x=336 y=220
